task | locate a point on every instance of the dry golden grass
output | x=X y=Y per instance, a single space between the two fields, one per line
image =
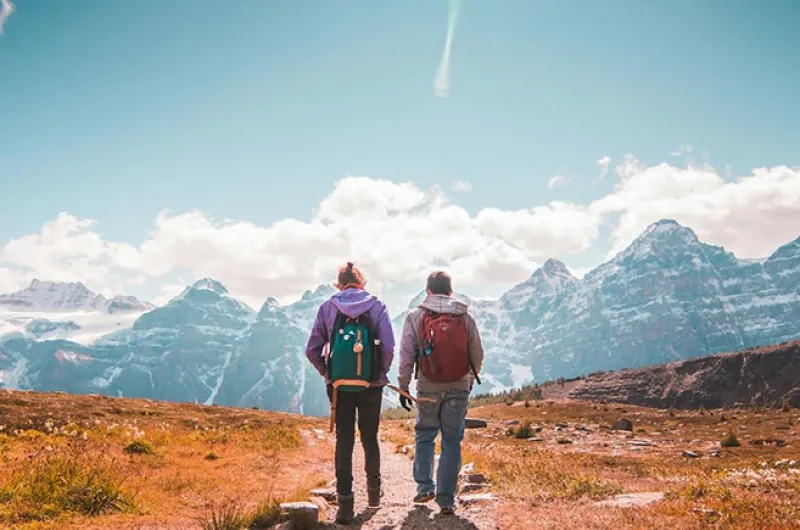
x=556 y=482
x=136 y=463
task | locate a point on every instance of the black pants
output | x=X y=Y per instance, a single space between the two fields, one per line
x=368 y=404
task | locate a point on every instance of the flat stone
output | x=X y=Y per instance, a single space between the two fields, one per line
x=511 y=422
x=302 y=515
x=475 y=478
x=475 y=423
x=535 y=439
x=640 y=443
x=329 y=494
x=564 y=441
x=476 y=497
x=627 y=500
x=690 y=454
x=471 y=488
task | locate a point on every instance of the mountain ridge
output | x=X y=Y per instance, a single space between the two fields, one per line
x=667 y=296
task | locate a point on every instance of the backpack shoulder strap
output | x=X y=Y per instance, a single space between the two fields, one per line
x=337 y=323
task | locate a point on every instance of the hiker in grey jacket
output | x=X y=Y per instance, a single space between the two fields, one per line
x=456 y=350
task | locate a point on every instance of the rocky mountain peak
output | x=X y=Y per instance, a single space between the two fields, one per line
x=668 y=230
x=208 y=284
x=269 y=307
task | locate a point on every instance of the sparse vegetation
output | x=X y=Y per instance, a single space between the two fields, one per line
x=228 y=515
x=266 y=515
x=55 y=484
x=69 y=457
x=523 y=430
x=785 y=406
x=139 y=447
x=545 y=484
x=730 y=440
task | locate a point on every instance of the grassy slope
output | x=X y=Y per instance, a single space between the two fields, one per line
x=190 y=458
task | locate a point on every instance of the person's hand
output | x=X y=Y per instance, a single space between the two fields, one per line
x=405 y=403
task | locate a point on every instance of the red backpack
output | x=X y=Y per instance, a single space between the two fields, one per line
x=444 y=357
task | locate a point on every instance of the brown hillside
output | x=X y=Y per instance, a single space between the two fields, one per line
x=765 y=376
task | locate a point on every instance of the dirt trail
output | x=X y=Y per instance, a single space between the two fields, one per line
x=397 y=509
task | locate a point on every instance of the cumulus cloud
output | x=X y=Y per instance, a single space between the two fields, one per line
x=6 y=9
x=461 y=185
x=750 y=216
x=397 y=232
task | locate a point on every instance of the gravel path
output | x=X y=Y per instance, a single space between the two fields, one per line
x=397 y=509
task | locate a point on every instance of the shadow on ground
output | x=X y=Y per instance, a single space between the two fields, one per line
x=419 y=518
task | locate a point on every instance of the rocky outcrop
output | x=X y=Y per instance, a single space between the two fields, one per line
x=765 y=376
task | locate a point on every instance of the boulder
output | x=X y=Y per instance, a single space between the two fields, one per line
x=475 y=423
x=301 y=515
x=622 y=424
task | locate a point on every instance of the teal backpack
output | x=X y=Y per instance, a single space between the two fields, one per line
x=353 y=351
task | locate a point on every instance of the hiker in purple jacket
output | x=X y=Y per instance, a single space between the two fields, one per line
x=353 y=301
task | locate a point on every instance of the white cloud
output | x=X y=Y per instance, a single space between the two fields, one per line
x=461 y=185
x=750 y=216
x=559 y=181
x=398 y=232
x=6 y=9
x=683 y=150
x=603 y=165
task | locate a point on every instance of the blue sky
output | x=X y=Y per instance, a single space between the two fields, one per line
x=251 y=110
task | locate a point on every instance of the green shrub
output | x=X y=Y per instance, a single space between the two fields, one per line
x=730 y=440
x=524 y=430
x=139 y=447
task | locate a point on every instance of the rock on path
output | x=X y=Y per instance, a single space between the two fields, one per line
x=398 y=510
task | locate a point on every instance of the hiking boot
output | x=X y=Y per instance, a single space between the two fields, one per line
x=447 y=510
x=345 y=515
x=424 y=497
x=374 y=496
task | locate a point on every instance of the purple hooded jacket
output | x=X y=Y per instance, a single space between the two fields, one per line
x=352 y=302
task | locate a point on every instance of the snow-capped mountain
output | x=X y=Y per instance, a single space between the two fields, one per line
x=72 y=296
x=666 y=297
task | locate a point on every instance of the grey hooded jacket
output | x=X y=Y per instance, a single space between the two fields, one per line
x=410 y=344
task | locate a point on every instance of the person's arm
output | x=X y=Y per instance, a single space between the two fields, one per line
x=474 y=347
x=316 y=342
x=385 y=334
x=408 y=350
